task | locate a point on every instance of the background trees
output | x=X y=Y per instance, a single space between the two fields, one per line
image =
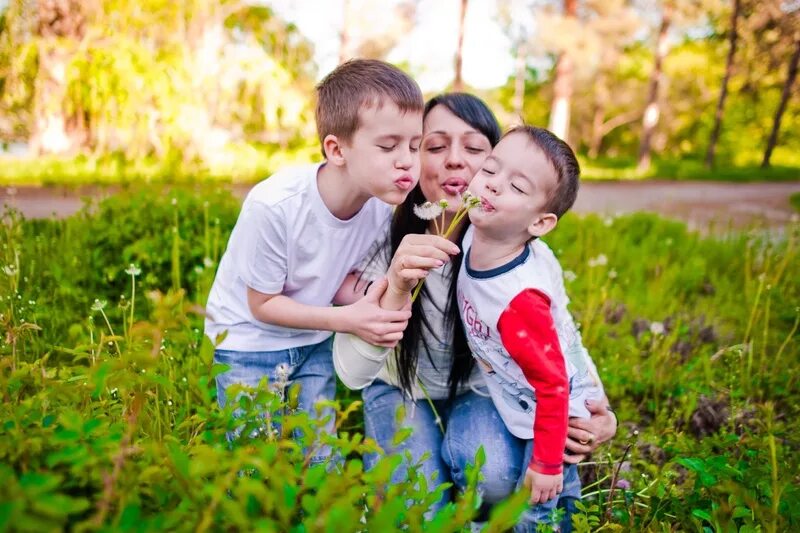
x=192 y=80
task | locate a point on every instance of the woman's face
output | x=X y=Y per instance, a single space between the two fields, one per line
x=452 y=153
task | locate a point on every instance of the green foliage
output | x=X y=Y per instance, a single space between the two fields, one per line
x=109 y=418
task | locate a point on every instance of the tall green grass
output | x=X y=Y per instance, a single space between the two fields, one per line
x=109 y=418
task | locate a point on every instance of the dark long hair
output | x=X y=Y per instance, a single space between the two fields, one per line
x=476 y=113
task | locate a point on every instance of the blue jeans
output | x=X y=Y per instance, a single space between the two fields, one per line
x=540 y=513
x=470 y=422
x=310 y=367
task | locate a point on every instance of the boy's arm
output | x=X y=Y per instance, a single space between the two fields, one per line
x=529 y=335
x=364 y=318
x=353 y=288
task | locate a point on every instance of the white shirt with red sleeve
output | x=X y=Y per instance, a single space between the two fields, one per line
x=526 y=343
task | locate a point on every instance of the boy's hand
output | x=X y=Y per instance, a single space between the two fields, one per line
x=368 y=320
x=415 y=257
x=543 y=487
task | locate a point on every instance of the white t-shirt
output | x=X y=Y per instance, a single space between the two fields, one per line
x=286 y=241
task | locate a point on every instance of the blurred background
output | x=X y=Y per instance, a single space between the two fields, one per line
x=108 y=91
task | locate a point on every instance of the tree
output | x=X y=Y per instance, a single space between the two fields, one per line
x=458 y=83
x=186 y=77
x=344 y=33
x=785 y=95
x=562 y=83
x=651 y=111
x=614 y=25
x=723 y=93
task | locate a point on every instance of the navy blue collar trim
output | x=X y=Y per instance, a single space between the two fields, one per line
x=496 y=271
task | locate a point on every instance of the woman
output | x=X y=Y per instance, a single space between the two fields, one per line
x=431 y=372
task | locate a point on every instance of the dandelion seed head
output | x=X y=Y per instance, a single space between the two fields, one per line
x=133 y=270
x=657 y=328
x=99 y=305
x=570 y=276
x=428 y=211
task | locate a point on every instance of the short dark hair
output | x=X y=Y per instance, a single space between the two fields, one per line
x=471 y=110
x=356 y=84
x=564 y=162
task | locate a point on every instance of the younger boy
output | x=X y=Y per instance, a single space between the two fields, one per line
x=301 y=232
x=514 y=307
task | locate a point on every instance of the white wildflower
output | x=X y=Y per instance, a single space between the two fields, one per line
x=612 y=274
x=9 y=270
x=133 y=270
x=469 y=200
x=174 y=201
x=600 y=260
x=208 y=262
x=657 y=328
x=428 y=211
x=570 y=276
x=608 y=222
x=99 y=305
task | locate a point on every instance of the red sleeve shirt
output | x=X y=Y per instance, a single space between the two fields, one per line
x=528 y=333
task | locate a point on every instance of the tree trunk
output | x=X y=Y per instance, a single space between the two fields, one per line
x=723 y=93
x=652 y=111
x=344 y=34
x=787 y=92
x=562 y=85
x=601 y=97
x=54 y=131
x=519 y=78
x=458 y=82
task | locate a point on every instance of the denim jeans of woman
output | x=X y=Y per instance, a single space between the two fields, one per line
x=470 y=422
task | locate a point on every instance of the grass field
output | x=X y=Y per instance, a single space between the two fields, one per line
x=109 y=419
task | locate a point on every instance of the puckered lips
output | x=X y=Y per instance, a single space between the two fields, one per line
x=455 y=186
x=404 y=183
x=486 y=205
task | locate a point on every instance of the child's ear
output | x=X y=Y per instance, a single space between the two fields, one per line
x=332 y=146
x=542 y=225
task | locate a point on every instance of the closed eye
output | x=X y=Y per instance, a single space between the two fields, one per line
x=474 y=150
x=435 y=149
x=487 y=171
x=517 y=189
x=387 y=148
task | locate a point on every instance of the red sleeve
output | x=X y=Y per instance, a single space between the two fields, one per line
x=529 y=335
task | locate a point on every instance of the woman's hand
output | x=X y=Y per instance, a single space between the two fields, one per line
x=415 y=257
x=585 y=435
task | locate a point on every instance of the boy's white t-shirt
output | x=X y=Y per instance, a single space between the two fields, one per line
x=286 y=241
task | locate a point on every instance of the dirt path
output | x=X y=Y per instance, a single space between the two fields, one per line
x=702 y=205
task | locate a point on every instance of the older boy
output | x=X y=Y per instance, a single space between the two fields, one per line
x=514 y=308
x=301 y=231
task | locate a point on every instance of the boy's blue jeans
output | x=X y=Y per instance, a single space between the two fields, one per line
x=470 y=422
x=310 y=367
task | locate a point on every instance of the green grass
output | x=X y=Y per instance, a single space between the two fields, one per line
x=683 y=169
x=795 y=200
x=238 y=164
x=247 y=164
x=109 y=420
